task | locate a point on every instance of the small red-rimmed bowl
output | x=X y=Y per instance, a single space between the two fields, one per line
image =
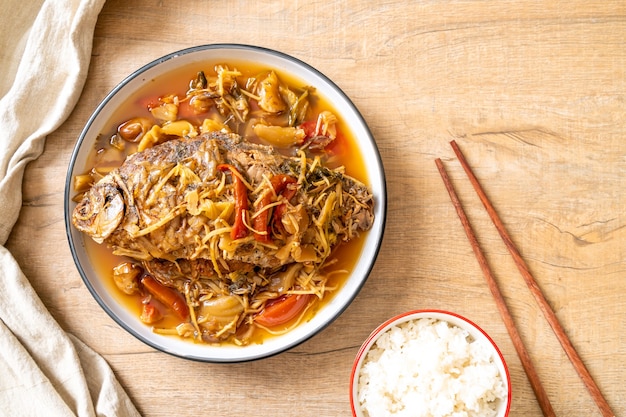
x=406 y=353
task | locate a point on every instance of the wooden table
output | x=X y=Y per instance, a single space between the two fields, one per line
x=535 y=95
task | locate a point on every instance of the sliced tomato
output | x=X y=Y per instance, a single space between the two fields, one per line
x=166 y=295
x=334 y=146
x=282 y=309
x=150 y=312
x=309 y=129
x=339 y=146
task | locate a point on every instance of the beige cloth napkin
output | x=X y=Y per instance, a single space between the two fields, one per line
x=45 y=47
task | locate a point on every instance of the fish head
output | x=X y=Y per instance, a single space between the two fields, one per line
x=100 y=211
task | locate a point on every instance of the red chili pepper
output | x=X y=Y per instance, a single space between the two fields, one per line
x=288 y=191
x=239 y=229
x=166 y=295
x=281 y=181
x=261 y=232
x=261 y=221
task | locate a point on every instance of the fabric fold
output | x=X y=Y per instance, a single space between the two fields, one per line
x=43 y=369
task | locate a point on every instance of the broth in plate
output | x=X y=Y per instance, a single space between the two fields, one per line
x=265 y=107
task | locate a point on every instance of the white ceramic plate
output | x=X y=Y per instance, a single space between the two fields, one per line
x=151 y=73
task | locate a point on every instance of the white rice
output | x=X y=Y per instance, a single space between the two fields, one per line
x=429 y=368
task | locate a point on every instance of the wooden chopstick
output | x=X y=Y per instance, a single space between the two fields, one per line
x=558 y=330
x=529 y=368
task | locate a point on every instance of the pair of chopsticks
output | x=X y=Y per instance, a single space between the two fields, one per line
x=570 y=351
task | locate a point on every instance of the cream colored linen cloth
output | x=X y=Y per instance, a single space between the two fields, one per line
x=45 y=48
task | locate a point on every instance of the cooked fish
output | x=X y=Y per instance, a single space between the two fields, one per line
x=222 y=204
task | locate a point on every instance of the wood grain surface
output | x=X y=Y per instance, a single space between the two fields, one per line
x=533 y=92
